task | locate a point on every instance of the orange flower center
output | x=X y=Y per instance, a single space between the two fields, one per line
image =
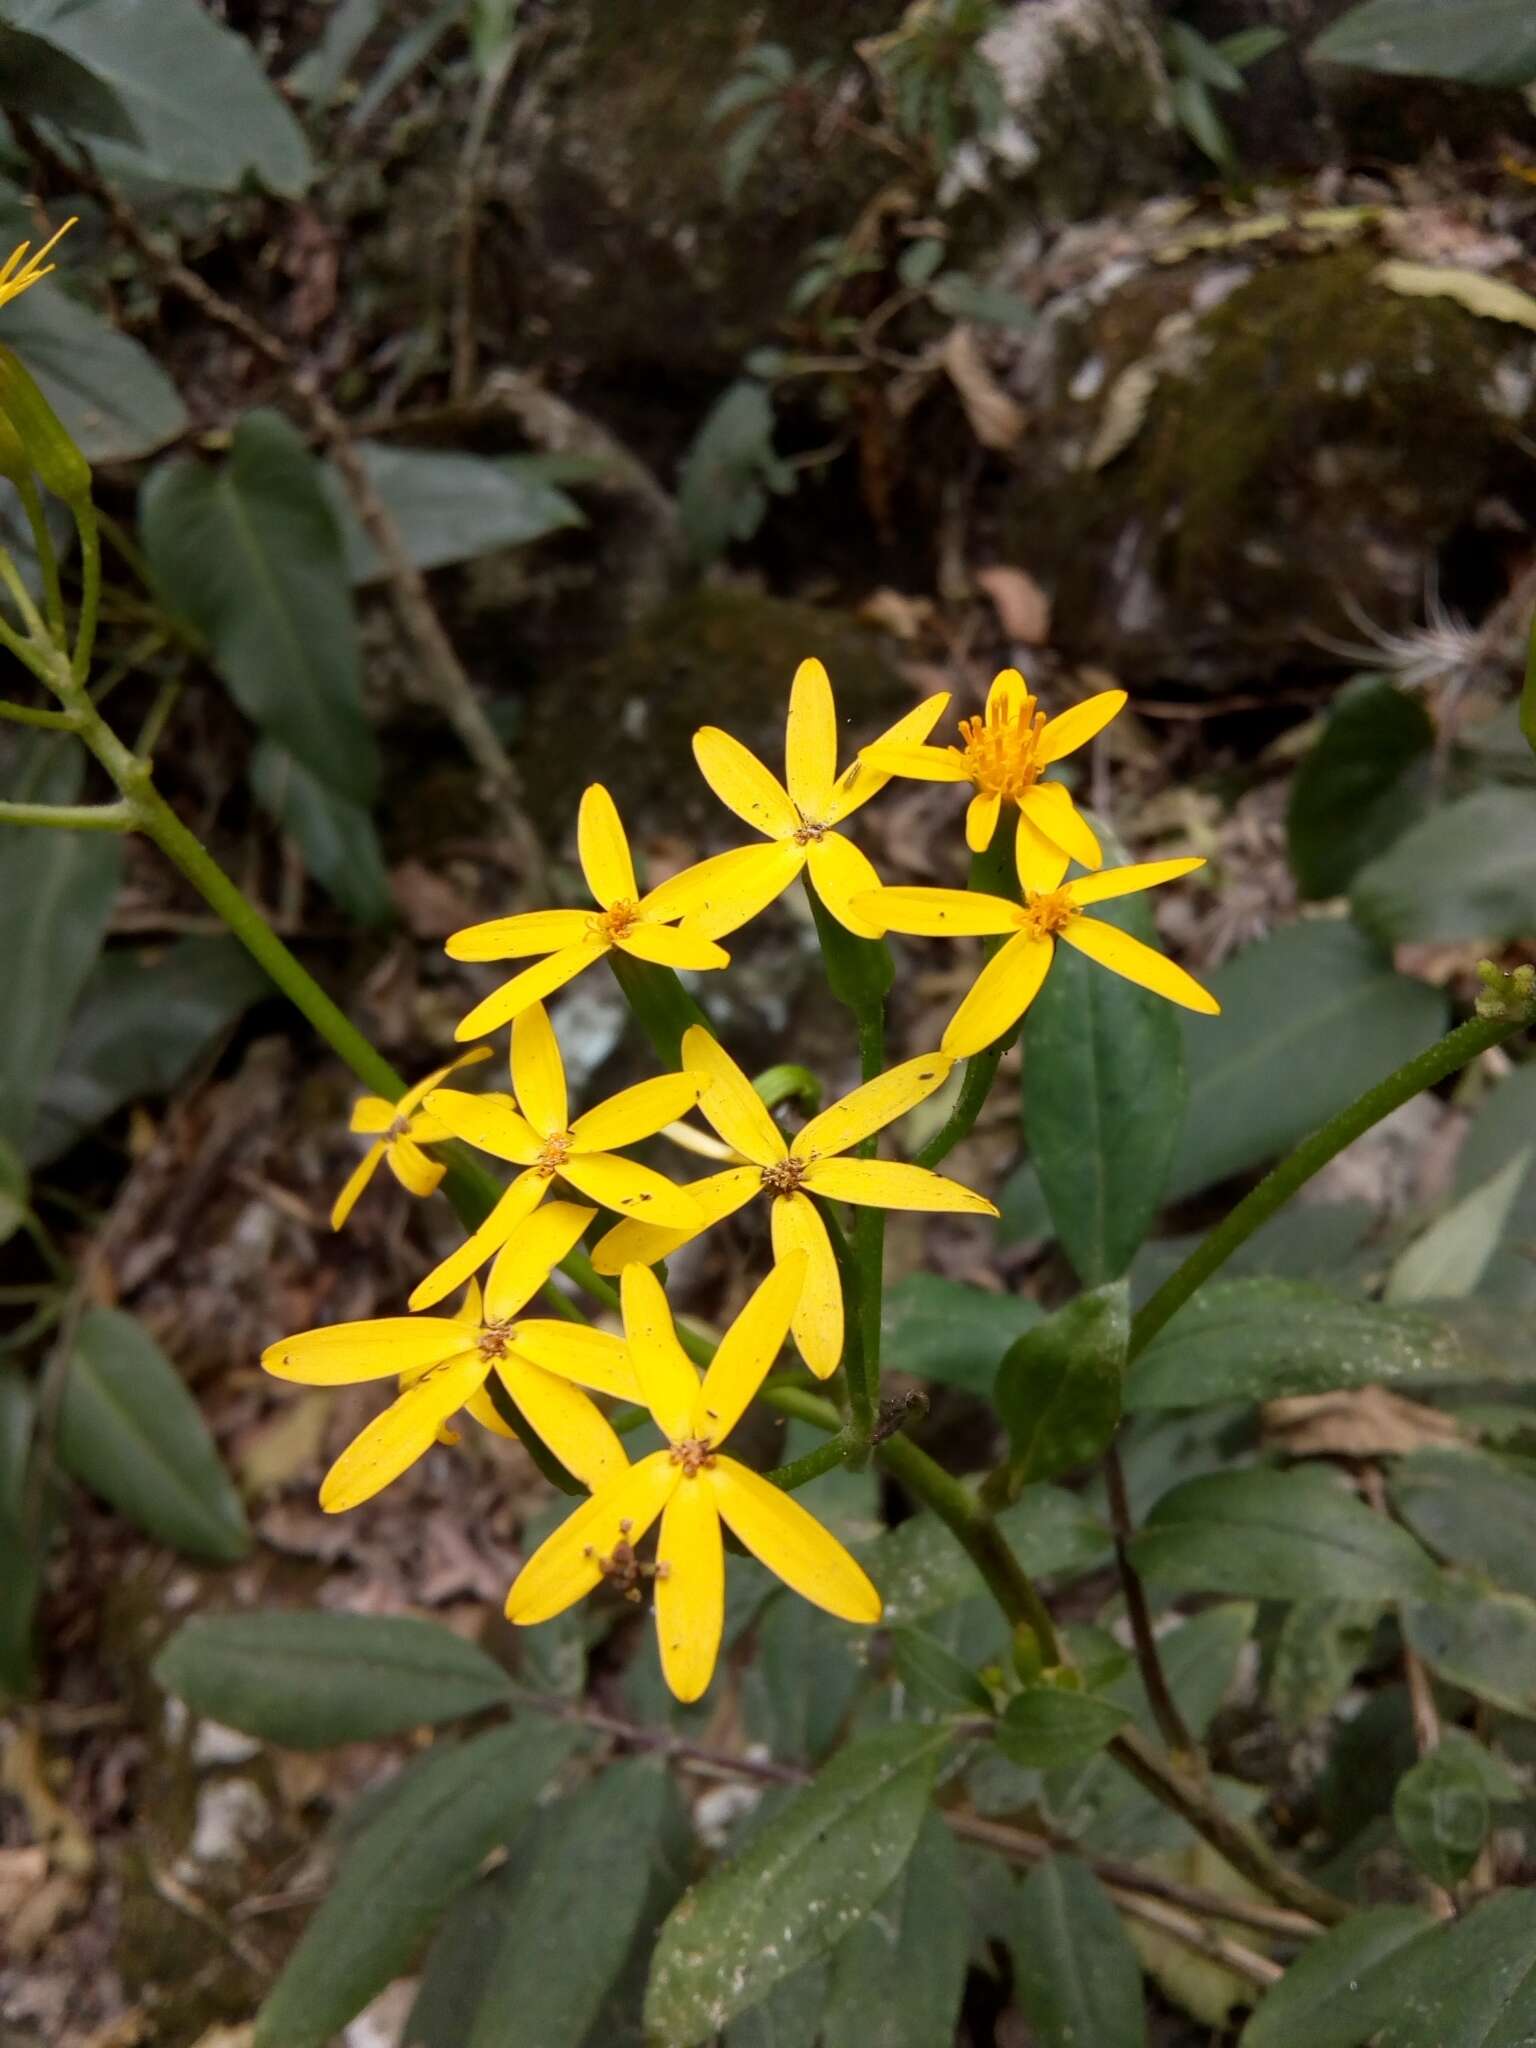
x=398 y=1129
x=695 y=1454
x=616 y=922
x=999 y=752
x=785 y=1175
x=557 y=1149
x=1043 y=916
x=808 y=832
x=495 y=1340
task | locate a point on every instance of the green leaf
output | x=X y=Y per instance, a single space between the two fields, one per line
x=1442 y=1815
x=945 y=1331
x=964 y=297
x=1473 y=1509
x=320 y=71
x=412 y=50
x=1045 y=1726
x=56 y=894
x=1248 y=45
x=1314 y=1002
x=1467 y=871
x=45 y=83
x=789 y=2017
x=809 y=1667
x=805 y=1879
x=935 y=1676
x=1058 y=1389
x=131 y=1432
x=1476 y=42
x=729 y=471
x=250 y=553
x=15 y=1192
x=336 y=838
x=661 y=1006
x=920 y=1568
x=109 y=392
x=1361 y=786
x=1485 y=1642
x=402 y=1872
x=1448 y=1261
x=1201 y=59
x=22 y=1580
x=877 y=1998
x=1197 y=116
x=1262 y=1340
x=1319 y=1647
x=1076 y=1976
x=449 y=507
x=205 y=112
x=308 y=1680
x=1467 y=1984
x=1104 y=1100
x=1296 y=1535
x=1315 y=2001
x=859 y=971
x=141 y=1023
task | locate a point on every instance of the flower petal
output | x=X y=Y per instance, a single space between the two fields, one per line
x=1050 y=808
x=841 y=872
x=818 y=1317
x=576 y=1351
x=981 y=815
x=743 y=784
x=943 y=913
x=1074 y=728
x=568 y=1563
x=634 y=1190
x=918 y=764
x=603 y=849
x=999 y=996
x=1140 y=963
x=399 y=1436
x=530 y=1255
x=531 y=986
x=884 y=1184
x=668 y=1381
x=792 y=1543
x=856 y=785
x=357 y=1180
x=517 y=1201
x=717 y=1196
x=747 y=1350
x=538 y=1072
x=810 y=740
x=729 y=1101
x=575 y=1429
x=870 y=1108
x=343 y=1354
x=415 y=1095
x=1124 y=881
x=726 y=891
x=491 y=1123
x=690 y=1589
x=416 y=1173
x=516 y=938
x=635 y=1113
x=1007 y=696
x=371 y=1116
x=667 y=945
x=488 y=1415
x=1039 y=862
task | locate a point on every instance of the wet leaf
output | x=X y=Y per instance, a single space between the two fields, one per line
x=1058 y=1388
x=1076 y=1976
x=897 y=1979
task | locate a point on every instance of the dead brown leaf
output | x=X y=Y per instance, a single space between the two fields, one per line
x=1364 y=1422
x=1022 y=607
x=996 y=420
x=903 y=617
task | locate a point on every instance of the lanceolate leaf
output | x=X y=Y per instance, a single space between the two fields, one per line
x=1485 y=1642
x=450 y=507
x=1476 y=42
x=1058 y=1389
x=1076 y=1974
x=308 y=1680
x=1357 y=790
x=804 y=1881
x=1045 y=1726
x=46 y=83
x=1315 y=2001
x=1473 y=1509
x=920 y=1568
x=1468 y=871
x=897 y=1979
x=22 y=1580
x=335 y=837
x=947 y=1331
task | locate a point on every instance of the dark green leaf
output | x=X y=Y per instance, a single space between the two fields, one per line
x=335 y=837
x=1358 y=789
x=1314 y=2001
x=130 y=1431
x=1248 y=45
x=729 y=470
x=935 y=1676
x=1076 y=1976
x=1483 y=1641
x=308 y=1680
x=1104 y=1098
x=320 y=71
x=1319 y=1647
x=964 y=297
x=45 y=83
x=1197 y=116
x=920 y=1568
x=804 y=1679
x=1058 y=1389
x=1192 y=53
x=15 y=1191
x=859 y=971
x=944 y=1330
x=919 y=260
x=1467 y=1984
x=400 y=1874
x=1475 y=42
x=1046 y=1726
x=1502 y=1127
x=1297 y=1535
x=1447 y=1261
x=1467 y=871
x=412 y=50
x=141 y=1023
x=789 y=2017
x=1473 y=1509
x=22 y=1580
x=1442 y=1815
x=109 y=392
x=897 y=1979
x=1314 y=1002
x=251 y=554
x=806 y=1878
x=450 y=507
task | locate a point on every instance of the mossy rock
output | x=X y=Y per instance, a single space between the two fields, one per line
x=715 y=657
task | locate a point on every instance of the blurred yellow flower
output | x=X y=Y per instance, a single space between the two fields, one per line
x=1011 y=979
x=790 y=1171
x=799 y=821
x=13 y=280
x=640 y=925
x=443 y=1362
x=532 y=1129
x=399 y=1130
x=694 y=1487
x=1003 y=755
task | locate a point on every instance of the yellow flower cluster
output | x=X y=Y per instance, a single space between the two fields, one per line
x=548 y=1369
x=20 y=271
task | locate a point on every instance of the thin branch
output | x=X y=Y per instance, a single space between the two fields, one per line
x=114 y=817
x=1171 y=1724
x=493 y=84
x=24 y=714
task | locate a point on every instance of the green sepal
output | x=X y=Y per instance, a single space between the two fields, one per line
x=859 y=971
x=59 y=465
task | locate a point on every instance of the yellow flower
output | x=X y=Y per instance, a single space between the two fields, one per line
x=1011 y=979
x=1003 y=754
x=573 y=939
x=798 y=822
x=693 y=1487
x=14 y=282
x=442 y=1363
x=399 y=1129
x=790 y=1172
x=534 y=1132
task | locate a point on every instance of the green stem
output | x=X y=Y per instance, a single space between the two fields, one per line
x=975 y=1086
x=89 y=530
x=861 y=1395
x=841 y=1449
x=47 y=556
x=1477 y=1035
x=118 y=817
x=50 y=721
